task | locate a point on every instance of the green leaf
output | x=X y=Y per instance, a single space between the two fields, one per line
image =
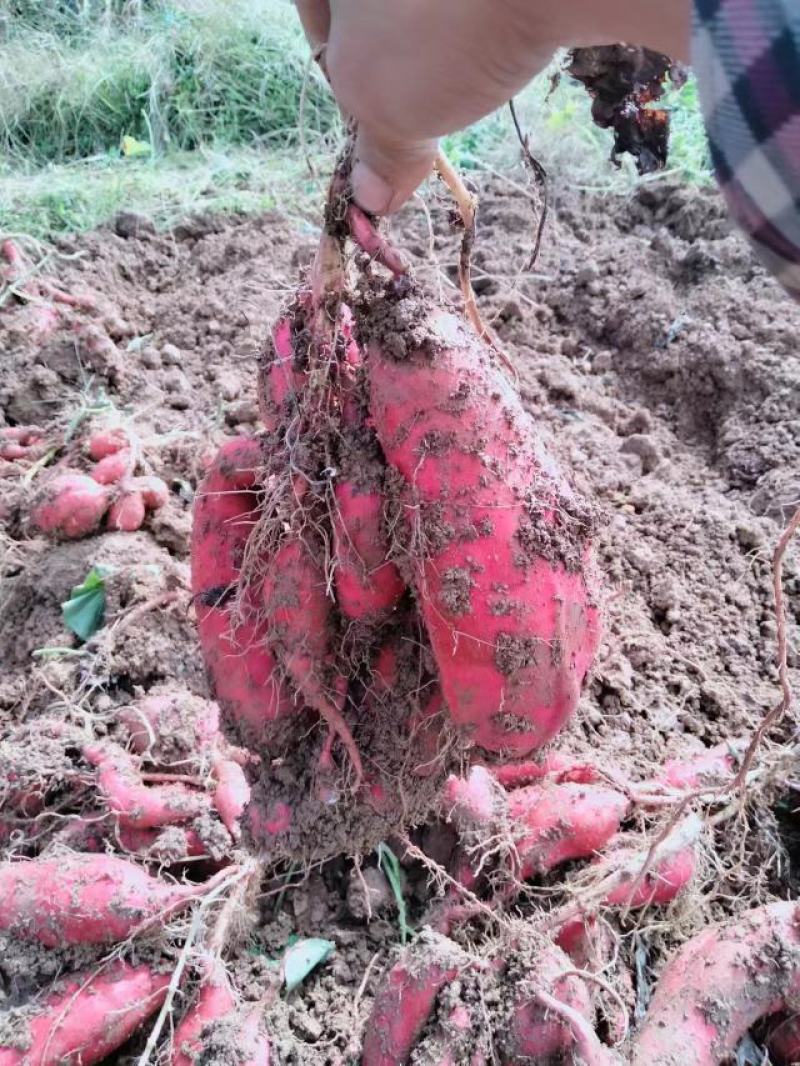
x=84 y=611
x=390 y=864
x=303 y=957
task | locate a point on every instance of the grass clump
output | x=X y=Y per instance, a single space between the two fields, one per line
x=174 y=74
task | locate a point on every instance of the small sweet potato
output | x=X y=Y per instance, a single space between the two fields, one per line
x=72 y=505
x=88 y=1016
x=112 y=468
x=127 y=512
x=107 y=442
x=135 y=804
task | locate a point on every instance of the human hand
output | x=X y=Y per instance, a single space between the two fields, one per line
x=410 y=71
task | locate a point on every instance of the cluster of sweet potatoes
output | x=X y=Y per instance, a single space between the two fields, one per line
x=72 y=504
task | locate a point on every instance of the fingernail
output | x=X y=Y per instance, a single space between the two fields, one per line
x=370 y=191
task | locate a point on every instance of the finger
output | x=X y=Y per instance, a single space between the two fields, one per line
x=315 y=16
x=386 y=171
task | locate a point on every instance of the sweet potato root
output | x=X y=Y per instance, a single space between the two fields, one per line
x=367 y=583
x=127 y=512
x=718 y=985
x=243 y=671
x=406 y=997
x=215 y=1000
x=87 y=1017
x=83 y=899
x=487 y=511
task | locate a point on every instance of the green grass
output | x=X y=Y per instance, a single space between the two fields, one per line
x=184 y=73
x=204 y=97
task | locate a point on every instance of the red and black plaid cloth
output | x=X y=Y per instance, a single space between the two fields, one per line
x=746 y=54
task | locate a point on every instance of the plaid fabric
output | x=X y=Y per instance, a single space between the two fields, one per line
x=747 y=57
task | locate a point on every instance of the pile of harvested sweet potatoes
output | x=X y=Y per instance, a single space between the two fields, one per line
x=397 y=606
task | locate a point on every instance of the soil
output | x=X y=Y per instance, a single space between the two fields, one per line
x=660 y=365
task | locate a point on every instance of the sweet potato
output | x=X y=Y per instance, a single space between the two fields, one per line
x=107 y=442
x=72 y=505
x=83 y=899
x=711 y=767
x=367 y=583
x=242 y=668
x=153 y=490
x=299 y=615
x=164 y=712
x=555 y=823
x=406 y=997
x=669 y=868
x=547 y=824
x=87 y=1017
x=133 y=803
x=280 y=382
x=718 y=985
x=231 y=794
x=532 y=1033
x=112 y=468
x=498 y=544
x=127 y=512
x=215 y=1000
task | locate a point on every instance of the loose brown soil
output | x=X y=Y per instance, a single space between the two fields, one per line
x=660 y=365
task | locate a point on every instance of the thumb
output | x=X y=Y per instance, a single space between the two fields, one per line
x=387 y=170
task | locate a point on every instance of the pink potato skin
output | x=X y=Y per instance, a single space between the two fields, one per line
x=718 y=985
x=107 y=442
x=367 y=583
x=533 y=1034
x=82 y=899
x=659 y=886
x=214 y=1001
x=241 y=667
x=112 y=468
x=511 y=663
x=73 y=506
x=553 y=824
x=89 y=1017
x=279 y=383
x=406 y=998
x=153 y=490
x=127 y=512
x=134 y=804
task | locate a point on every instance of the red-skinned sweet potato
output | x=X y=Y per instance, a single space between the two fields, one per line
x=367 y=583
x=406 y=997
x=83 y=899
x=127 y=512
x=532 y=1033
x=88 y=1016
x=214 y=1001
x=72 y=505
x=718 y=985
x=107 y=442
x=112 y=468
x=497 y=541
x=134 y=804
x=242 y=668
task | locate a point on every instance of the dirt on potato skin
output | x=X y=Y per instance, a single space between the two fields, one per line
x=659 y=363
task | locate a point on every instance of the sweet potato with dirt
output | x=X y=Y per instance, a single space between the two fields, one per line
x=532 y=1033
x=127 y=512
x=107 y=442
x=83 y=899
x=214 y=1000
x=718 y=985
x=367 y=582
x=498 y=544
x=406 y=997
x=300 y=617
x=71 y=505
x=545 y=825
x=134 y=804
x=87 y=1017
x=242 y=668
x=112 y=468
